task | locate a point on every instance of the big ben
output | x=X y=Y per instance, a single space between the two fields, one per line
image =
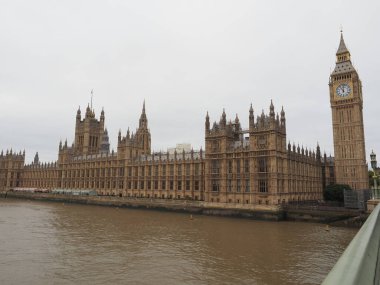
x=346 y=101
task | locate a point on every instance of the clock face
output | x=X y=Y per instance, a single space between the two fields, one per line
x=343 y=90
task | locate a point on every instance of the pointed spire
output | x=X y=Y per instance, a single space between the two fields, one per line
x=36 y=159
x=251 y=117
x=342 y=46
x=223 y=120
x=282 y=116
x=143 y=123
x=207 y=123
x=271 y=109
x=88 y=111
x=102 y=114
x=78 y=113
x=237 y=119
x=318 y=152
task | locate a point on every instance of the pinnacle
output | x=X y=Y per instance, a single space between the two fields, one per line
x=342 y=46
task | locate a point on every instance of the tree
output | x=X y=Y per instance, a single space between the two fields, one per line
x=335 y=192
x=371 y=180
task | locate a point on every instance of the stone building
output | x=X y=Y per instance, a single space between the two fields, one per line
x=253 y=165
x=346 y=99
x=11 y=169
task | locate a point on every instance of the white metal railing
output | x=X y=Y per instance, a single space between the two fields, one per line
x=360 y=262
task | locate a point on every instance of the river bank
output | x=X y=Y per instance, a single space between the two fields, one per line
x=334 y=216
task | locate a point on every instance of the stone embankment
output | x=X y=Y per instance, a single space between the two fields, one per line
x=335 y=216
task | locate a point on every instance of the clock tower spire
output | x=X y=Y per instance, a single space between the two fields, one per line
x=347 y=118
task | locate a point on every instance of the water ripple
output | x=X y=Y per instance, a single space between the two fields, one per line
x=53 y=243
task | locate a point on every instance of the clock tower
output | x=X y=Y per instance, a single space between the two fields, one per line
x=347 y=118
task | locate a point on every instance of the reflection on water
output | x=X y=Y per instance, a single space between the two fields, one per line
x=45 y=243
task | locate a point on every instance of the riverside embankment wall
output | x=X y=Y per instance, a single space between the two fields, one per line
x=259 y=212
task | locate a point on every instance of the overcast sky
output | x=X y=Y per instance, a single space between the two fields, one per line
x=184 y=58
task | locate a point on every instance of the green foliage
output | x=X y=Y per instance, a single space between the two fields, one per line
x=335 y=192
x=371 y=180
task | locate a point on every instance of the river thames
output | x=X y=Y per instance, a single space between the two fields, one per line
x=55 y=243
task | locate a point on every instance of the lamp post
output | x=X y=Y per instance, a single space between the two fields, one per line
x=374 y=166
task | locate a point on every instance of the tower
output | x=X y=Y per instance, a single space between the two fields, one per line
x=143 y=133
x=135 y=145
x=347 y=118
x=89 y=132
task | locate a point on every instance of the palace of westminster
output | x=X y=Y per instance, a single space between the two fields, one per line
x=241 y=166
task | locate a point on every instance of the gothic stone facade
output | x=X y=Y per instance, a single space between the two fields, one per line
x=240 y=166
x=346 y=99
x=253 y=166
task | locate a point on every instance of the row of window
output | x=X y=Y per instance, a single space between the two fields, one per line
x=262 y=163
x=137 y=185
x=164 y=185
x=215 y=186
x=157 y=170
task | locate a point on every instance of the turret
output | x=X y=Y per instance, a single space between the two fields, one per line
x=105 y=145
x=223 y=120
x=207 y=124
x=251 y=117
x=88 y=111
x=237 y=122
x=237 y=126
x=283 y=120
x=79 y=114
x=271 y=109
x=102 y=115
x=36 y=159
x=143 y=123
x=318 y=152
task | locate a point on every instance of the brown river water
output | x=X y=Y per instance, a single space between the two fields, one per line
x=55 y=243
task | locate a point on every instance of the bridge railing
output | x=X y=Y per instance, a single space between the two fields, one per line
x=360 y=262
